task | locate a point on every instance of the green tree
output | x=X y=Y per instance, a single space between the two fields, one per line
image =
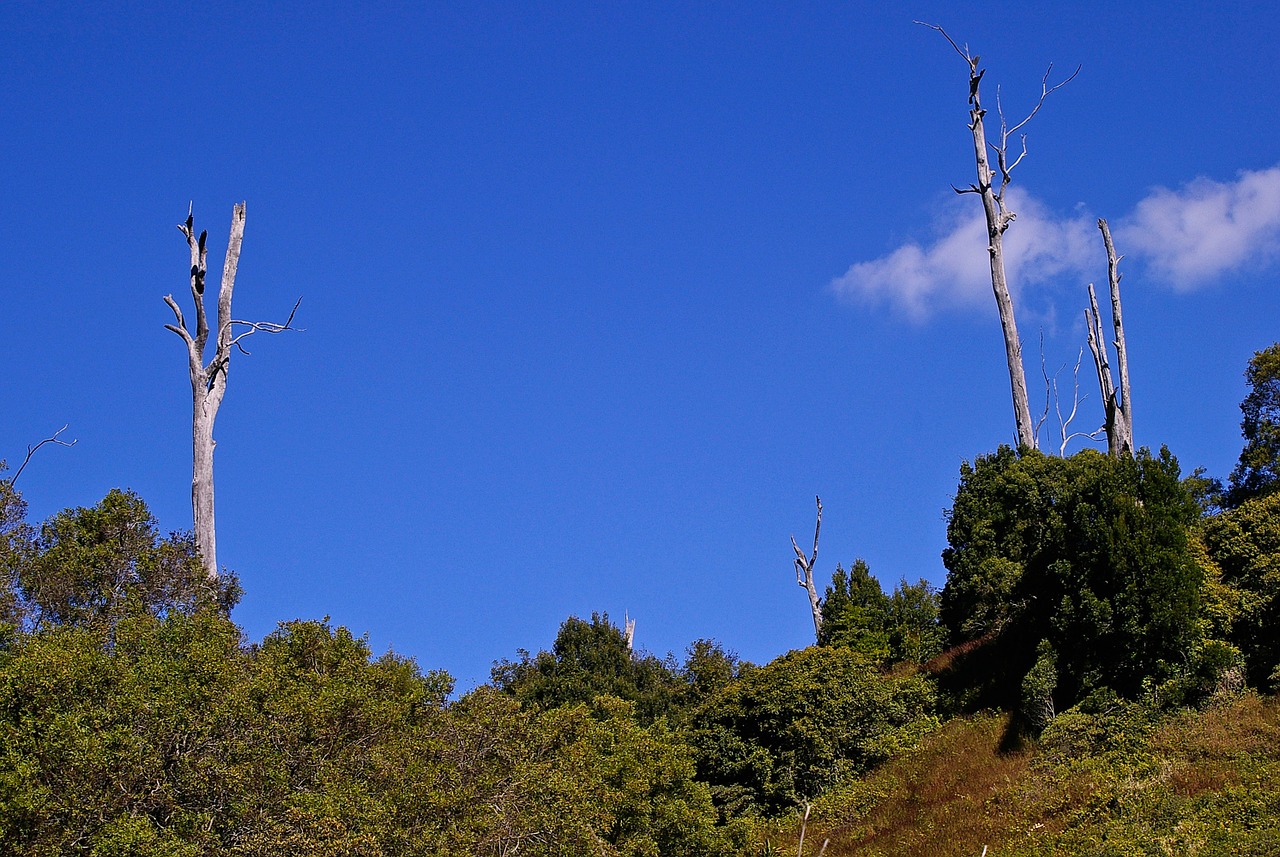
x=788 y=730
x=15 y=546
x=1244 y=542
x=1258 y=471
x=916 y=634
x=709 y=668
x=121 y=748
x=1090 y=553
x=172 y=738
x=855 y=612
x=590 y=659
x=89 y=566
x=890 y=629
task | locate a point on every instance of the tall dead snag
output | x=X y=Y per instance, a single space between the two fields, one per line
x=999 y=217
x=209 y=380
x=804 y=572
x=1116 y=403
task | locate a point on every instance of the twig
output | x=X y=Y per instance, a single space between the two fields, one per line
x=265 y=327
x=1047 y=389
x=31 y=450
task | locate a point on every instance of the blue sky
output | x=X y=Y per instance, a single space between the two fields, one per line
x=598 y=297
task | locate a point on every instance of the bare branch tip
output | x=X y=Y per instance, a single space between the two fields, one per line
x=31 y=450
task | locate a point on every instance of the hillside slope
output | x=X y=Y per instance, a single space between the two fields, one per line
x=1112 y=783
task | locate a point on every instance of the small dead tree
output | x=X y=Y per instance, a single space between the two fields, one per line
x=804 y=565
x=209 y=380
x=629 y=630
x=998 y=217
x=1116 y=402
x=1053 y=398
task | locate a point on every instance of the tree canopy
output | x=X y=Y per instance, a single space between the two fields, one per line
x=1090 y=554
x=1258 y=471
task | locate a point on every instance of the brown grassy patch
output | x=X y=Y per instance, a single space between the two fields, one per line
x=949 y=797
x=1249 y=724
x=958 y=791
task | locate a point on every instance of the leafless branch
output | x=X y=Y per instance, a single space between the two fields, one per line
x=1076 y=399
x=1045 y=91
x=629 y=629
x=1115 y=402
x=1048 y=390
x=199 y=253
x=964 y=54
x=1117 y=320
x=998 y=218
x=1002 y=149
x=806 y=563
x=264 y=327
x=31 y=450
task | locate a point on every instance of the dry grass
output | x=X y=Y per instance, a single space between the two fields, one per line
x=1211 y=751
x=949 y=797
x=959 y=792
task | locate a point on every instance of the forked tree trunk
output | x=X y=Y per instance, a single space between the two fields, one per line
x=804 y=573
x=991 y=186
x=1117 y=403
x=209 y=380
x=998 y=219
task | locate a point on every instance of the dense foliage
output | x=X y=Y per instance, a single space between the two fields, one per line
x=1258 y=472
x=891 y=629
x=788 y=730
x=1244 y=542
x=1088 y=554
x=590 y=659
x=175 y=739
x=88 y=567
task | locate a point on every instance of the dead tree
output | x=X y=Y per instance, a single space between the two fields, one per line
x=804 y=572
x=998 y=217
x=209 y=380
x=629 y=631
x=1116 y=403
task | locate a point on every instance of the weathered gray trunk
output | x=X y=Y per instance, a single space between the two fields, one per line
x=1117 y=403
x=804 y=573
x=998 y=219
x=202 y=485
x=208 y=381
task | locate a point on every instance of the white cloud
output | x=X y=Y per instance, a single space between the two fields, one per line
x=1186 y=238
x=954 y=269
x=1194 y=235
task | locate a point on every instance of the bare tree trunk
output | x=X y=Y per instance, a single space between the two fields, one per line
x=804 y=572
x=998 y=217
x=209 y=381
x=1116 y=403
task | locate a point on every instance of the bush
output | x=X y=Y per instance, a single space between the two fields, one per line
x=1090 y=553
x=786 y=731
